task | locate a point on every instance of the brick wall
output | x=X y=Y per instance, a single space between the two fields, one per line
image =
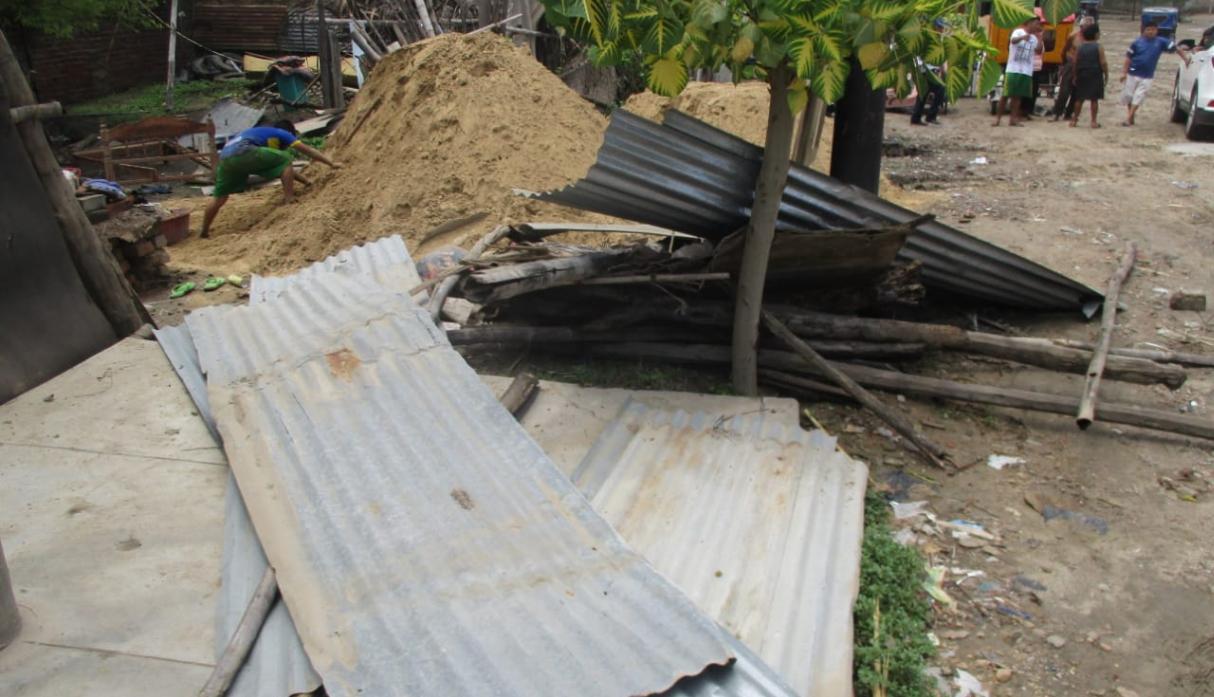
x=91 y=65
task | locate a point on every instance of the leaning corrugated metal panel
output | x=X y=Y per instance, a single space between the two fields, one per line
x=386 y=260
x=756 y=519
x=689 y=176
x=423 y=542
x=277 y=665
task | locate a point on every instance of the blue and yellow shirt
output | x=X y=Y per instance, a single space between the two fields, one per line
x=258 y=137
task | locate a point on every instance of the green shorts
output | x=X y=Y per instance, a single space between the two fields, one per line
x=1017 y=85
x=232 y=175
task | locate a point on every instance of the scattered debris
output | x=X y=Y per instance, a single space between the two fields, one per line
x=998 y=462
x=968 y=686
x=1051 y=510
x=1055 y=641
x=1188 y=484
x=1188 y=300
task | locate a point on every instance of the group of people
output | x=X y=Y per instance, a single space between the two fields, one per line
x=1084 y=73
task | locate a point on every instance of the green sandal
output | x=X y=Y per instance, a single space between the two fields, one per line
x=182 y=289
x=212 y=283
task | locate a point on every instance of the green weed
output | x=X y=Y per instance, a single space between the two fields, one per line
x=892 y=613
x=149 y=99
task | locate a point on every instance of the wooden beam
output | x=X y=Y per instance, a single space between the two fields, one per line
x=238 y=647
x=931 y=452
x=1128 y=414
x=49 y=110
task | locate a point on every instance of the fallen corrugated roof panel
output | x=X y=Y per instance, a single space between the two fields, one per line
x=277 y=665
x=688 y=176
x=385 y=260
x=756 y=519
x=423 y=542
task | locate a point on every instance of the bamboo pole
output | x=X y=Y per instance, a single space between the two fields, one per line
x=519 y=393
x=98 y=271
x=1108 y=322
x=934 y=454
x=237 y=650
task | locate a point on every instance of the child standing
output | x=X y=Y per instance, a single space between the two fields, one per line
x=1139 y=69
x=1091 y=74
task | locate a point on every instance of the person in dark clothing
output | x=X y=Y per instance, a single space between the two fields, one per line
x=1091 y=74
x=1064 y=103
x=934 y=93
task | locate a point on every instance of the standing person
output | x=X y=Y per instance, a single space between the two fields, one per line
x=1029 y=106
x=1091 y=74
x=1139 y=69
x=1018 y=80
x=1064 y=103
x=264 y=151
x=934 y=92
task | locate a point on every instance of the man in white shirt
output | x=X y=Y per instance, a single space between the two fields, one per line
x=1018 y=80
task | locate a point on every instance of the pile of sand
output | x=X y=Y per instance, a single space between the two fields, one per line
x=442 y=130
x=740 y=109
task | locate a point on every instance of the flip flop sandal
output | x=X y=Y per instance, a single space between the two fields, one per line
x=236 y=279
x=182 y=289
x=212 y=283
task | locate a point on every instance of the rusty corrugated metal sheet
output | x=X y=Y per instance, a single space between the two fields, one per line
x=756 y=519
x=423 y=543
x=688 y=176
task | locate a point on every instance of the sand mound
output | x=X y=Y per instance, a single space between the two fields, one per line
x=443 y=129
x=740 y=109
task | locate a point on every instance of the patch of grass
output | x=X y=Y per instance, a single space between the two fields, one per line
x=149 y=99
x=892 y=613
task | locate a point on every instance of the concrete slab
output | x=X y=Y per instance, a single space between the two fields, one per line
x=38 y=670
x=111 y=516
x=125 y=400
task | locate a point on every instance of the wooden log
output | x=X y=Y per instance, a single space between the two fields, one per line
x=656 y=278
x=669 y=343
x=237 y=650
x=1108 y=322
x=49 y=110
x=440 y=294
x=933 y=453
x=1158 y=355
x=519 y=393
x=1128 y=414
x=495 y=25
x=1043 y=353
x=98 y=270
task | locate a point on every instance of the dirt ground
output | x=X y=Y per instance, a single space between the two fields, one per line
x=1116 y=592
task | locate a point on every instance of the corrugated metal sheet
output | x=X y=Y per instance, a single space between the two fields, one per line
x=756 y=519
x=277 y=665
x=239 y=26
x=423 y=542
x=688 y=176
x=386 y=261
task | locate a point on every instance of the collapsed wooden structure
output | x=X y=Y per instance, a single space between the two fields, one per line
x=670 y=301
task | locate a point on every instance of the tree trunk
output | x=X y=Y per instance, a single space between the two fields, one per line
x=855 y=155
x=768 y=189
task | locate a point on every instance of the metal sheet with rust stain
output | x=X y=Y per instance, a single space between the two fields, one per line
x=756 y=519
x=511 y=586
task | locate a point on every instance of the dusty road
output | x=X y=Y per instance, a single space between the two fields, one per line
x=1118 y=593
